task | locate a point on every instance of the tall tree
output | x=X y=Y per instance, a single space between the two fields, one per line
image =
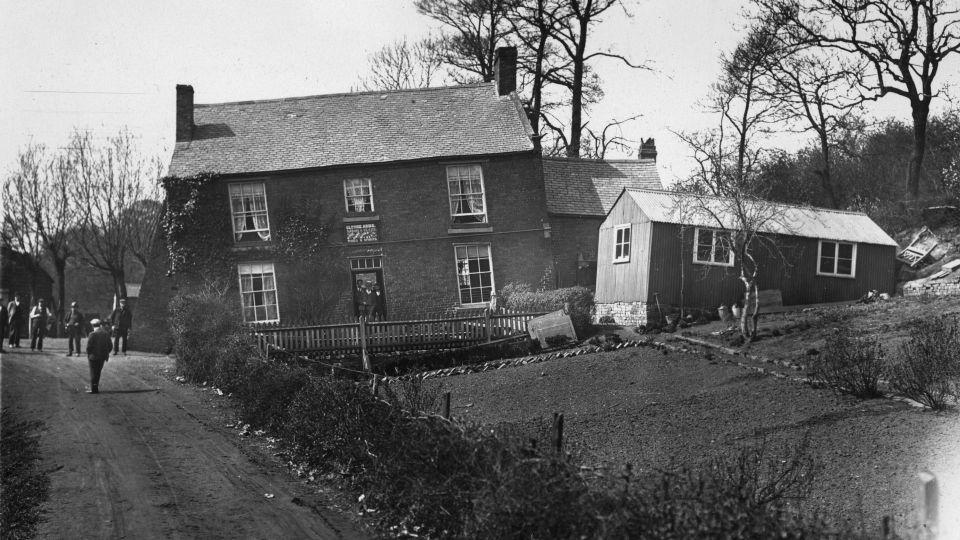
x=402 y=64
x=905 y=43
x=113 y=181
x=533 y=22
x=475 y=28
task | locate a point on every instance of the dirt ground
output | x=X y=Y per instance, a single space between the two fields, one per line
x=151 y=458
x=659 y=411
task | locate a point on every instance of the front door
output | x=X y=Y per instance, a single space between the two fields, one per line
x=367 y=275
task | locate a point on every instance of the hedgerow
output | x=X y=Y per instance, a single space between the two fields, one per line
x=579 y=300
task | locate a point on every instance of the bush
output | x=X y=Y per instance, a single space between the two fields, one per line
x=266 y=391
x=851 y=365
x=209 y=341
x=522 y=297
x=929 y=365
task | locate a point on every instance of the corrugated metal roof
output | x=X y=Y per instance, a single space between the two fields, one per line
x=346 y=129
x=589 y=187
x=707 y=211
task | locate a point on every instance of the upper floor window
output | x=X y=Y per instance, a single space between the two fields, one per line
x=712 y=247
x=837 y=259
x=467 y=201
x=474 y=273
x=248 y=205
x=258 y=292
x=358 y=193
x=621 y=247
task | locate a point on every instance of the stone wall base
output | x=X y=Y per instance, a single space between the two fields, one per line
x=935 y=288
x=624 y=313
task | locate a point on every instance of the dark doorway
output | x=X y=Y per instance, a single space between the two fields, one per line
x=367 y=273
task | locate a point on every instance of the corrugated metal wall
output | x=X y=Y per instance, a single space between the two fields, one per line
x=795 y=273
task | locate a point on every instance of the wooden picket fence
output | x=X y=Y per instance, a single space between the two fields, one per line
x=384 y=336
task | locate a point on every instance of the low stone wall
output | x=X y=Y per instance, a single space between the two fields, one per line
x=623 y=313
x=947 y=286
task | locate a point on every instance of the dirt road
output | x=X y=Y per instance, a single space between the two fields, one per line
x=151 y=458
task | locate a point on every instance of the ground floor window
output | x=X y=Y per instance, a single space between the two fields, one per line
x=474 y=273
x=713 y=247
x=258 y=292
x=837 y=259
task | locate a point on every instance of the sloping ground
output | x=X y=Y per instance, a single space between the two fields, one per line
x=665 y=411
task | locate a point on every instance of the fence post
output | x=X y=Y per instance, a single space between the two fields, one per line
x=486 y=325
x=558 y=431
x=446 y=405
x=931 y=503
x=363 y=344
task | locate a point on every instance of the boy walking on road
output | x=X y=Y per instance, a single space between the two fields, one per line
x=98 y=352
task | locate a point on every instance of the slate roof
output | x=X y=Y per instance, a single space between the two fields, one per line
x=803 y=221
x=342 y=129
x=590 y=187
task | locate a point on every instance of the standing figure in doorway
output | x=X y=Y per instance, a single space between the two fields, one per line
x=74 y=323
x=98 y=352
x=121 y=320
x=377 y=310
x=15 y=314
x=357 y=296
x=39 y=318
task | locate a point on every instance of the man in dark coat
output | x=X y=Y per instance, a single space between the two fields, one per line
x=15 y=313
x=74 y=321
x=98 y=352
x=39 y=320
x=376 y=313
x=357 y=296
x=4 y=316
x=121 y=319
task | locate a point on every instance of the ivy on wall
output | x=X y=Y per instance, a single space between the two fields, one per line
x=196 y=225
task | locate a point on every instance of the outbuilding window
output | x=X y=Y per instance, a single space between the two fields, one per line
x=258 y=292
x=474 y=273
x=837 y=259
x=467 y=200
x=712 y=246
x=621 y=245
x=248 y=207
x=358 y=193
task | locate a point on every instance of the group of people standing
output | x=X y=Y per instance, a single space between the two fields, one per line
x=368 y=301
x=99 y=346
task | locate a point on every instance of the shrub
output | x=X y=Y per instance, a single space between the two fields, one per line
x=209 y=341
x=413 y=395
x=851 y=365
x=929 y=363
x=266 y=391
x=521 y=297
x=607 y=319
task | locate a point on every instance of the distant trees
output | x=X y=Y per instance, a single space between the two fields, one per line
x=403 y=64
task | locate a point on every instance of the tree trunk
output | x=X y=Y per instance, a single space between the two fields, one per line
x=576 y=101
x=751 y=306
x=119 y=284
x=915 y=171
x=826 y=180
x=60 y=268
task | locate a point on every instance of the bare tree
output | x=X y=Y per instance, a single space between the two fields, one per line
x=113 y=183
x=475 y=29
x=403 y=65
x=904 y=42
x=610 y=137
x=533 y=22
x=570 y=30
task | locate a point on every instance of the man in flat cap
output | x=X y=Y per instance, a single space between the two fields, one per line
x=74 y=323
x=98 y=352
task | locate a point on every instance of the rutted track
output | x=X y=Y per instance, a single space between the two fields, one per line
x=148 y=458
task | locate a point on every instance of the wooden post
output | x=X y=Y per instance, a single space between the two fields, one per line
x=446 y=405
x=558 y=431
x=931 y=503
x=885 y=527
x=486 y=325
x=363 y=344
x=376 y=385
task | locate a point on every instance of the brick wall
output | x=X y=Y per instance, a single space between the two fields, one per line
x=947 y=286
x=574 y=240
x=624 y=313
x=415 y=245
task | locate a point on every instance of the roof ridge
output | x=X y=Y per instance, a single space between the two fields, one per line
x=596 y=160
x=788 y=205
x=341 y=94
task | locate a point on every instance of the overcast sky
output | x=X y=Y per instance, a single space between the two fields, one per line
x=102 y=65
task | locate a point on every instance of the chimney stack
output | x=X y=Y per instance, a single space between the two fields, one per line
x=184 y=112
x=648 y=150
x=505 y=70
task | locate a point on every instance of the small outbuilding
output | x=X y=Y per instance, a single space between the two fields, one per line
x=662 y=250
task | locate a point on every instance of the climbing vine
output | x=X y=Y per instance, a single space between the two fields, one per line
x=194 y=225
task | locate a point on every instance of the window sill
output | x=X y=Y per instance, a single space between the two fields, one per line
x=361 y=217
x=706 y=263
x=621 y=261
x=247 y=246
x=842 y=276
x=469 y=228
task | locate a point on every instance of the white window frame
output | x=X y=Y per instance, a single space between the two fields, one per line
x=251 y=268
x=618 y=243
x=239 y=186
x=836 y=259
x=483 y=193
x=366 y=190
x=456 y=263
x=713 y=247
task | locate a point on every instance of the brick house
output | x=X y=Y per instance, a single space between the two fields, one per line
x=435 y=195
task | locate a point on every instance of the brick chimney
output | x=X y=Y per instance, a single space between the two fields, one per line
x=184 y=112
x=648 y=150
x=505 y=70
